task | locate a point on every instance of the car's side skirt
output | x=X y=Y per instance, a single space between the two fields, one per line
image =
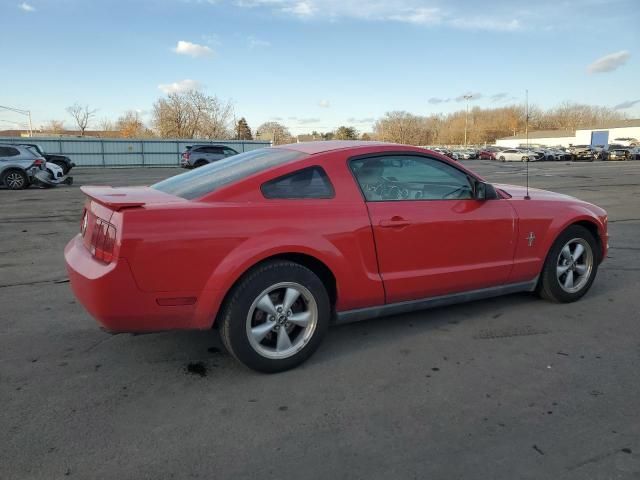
x=432 y=302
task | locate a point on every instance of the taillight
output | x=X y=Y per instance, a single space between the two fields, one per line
x=84 y=222
x=186 y=155
x=39 y=162
x=103 y=240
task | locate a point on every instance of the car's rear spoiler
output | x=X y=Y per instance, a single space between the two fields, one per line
x=128 y=197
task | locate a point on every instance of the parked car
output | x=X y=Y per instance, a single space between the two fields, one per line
x=516 y=155
x=62 y=161
x=274 y=244
x=488 y=153
x=18 y=165
x=200 y=155
x=583 y=153
x=620 y=154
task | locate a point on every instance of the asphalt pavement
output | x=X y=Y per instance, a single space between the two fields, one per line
x=508 y=388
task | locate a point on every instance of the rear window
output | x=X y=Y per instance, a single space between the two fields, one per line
x=204 y=180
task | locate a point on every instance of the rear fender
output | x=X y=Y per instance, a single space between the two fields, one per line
x=253 y=251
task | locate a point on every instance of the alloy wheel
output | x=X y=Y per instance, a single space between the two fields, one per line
x=14 y=180
x=574 y=265
x=282 y=320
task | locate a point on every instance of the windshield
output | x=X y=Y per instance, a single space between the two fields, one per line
x=204 y=180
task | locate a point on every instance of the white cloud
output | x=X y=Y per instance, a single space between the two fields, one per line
x=419 y=16
x=26 y=7
x=473 y=96
x=324 y=104
x=211 y=39
x=192 y=49
x=300 y=9
x=254 y=42
x=307 y=121
x=488 y=24
x=360 y=120
x=455 y=15
x=180 y=86
x=609 y=63
x=496 y=97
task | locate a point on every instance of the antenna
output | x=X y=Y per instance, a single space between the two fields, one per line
x=526 y=130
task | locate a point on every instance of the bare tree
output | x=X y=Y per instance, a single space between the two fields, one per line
x=106 y=125
x=131 y=126
x=53 y=126
x=275 y=132
x=193 y=114
x=81 y=115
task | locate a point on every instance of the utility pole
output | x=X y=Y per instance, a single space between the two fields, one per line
x=466 y=118
x=21 y=112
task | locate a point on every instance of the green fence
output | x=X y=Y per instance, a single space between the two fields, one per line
x=98 y=152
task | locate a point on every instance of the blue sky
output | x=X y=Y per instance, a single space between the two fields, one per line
x=317 y=64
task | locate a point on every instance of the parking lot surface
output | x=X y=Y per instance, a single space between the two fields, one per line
x=507 y=388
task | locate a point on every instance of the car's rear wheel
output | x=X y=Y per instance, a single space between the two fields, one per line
x=15 y=180
x=200 y=163
x=275 y=317
x=502 y=159
x=570 y=267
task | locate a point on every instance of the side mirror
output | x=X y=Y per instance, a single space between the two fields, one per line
x=484 y=191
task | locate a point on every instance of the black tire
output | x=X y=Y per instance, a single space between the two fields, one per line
x=15 y=179
x=549 y=286
x=200 y=163
x=525 y=159
x=234 y=316
x=63 y=165
x=502 y=159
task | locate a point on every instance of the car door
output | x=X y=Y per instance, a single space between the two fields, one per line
x=432 y=237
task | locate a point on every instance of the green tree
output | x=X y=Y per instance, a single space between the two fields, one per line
x=346 y=133
x=243 y=132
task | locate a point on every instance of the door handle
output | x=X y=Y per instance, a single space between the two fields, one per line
x=394 y=222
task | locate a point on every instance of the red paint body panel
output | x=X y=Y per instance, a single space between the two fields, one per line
x=175 y=260
x=436 y=254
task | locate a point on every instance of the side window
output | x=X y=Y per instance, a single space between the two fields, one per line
x=9 y=152
x=407 y=177
x=229 y=151
x=311 y=182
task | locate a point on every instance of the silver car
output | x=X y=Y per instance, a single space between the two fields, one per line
x=18 y=165
x=198 y=155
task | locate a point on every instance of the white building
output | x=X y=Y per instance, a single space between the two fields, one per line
x=588 y=136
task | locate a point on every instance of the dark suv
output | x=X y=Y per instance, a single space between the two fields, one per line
x=198 y=155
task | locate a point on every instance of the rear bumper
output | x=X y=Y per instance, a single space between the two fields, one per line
x=111 y=295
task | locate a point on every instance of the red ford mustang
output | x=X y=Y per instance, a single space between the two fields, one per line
x=274 y=244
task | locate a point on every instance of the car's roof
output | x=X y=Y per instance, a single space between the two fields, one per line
x=327 y=146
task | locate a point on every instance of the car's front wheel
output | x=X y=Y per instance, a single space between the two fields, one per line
x=275 y=317
x=570 y=267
